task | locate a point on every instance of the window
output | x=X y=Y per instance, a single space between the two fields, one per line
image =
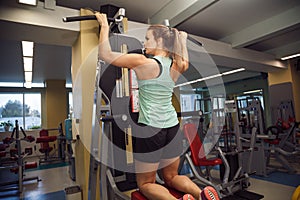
x=188 y=102
x=244 y=98
x=70 y=98
x=24 y=107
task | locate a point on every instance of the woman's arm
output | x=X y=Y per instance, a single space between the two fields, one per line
x=185 y=55
x=181 y=63
x=109 y=56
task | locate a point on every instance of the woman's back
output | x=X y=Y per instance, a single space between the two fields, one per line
x=155 y=96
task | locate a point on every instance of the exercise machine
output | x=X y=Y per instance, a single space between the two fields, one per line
x=112 y=130
x=108 y=136
x=250 y=113
x=234 y=178
x=273 y=145
x=114 y=120
x=278 y=148
x=45 y=139
x=69 y=152
x=17 y=163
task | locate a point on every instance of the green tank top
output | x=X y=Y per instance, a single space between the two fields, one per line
x=155 y=98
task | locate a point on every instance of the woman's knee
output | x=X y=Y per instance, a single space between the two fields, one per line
x=145 y=178
x=177 y=179
x=168 y=178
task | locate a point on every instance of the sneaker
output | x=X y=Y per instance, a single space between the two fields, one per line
x=187 y=197
x=209 y=193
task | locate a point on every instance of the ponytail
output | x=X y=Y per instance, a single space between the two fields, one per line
x=174 y=44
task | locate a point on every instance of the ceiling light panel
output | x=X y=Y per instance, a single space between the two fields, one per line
x=28 y=76
x=27 y=64
x=28 y=2
x=27 y=48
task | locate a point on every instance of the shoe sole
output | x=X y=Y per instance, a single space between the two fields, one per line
x=210 y=193
x=188 y=197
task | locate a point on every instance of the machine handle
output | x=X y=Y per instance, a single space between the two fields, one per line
x=123 y=117
x=116 y=19
x=83 y=18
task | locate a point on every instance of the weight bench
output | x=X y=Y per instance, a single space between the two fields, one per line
x=197 y=151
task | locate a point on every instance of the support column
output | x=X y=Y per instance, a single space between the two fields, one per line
x=84 y=61
x=56 y=103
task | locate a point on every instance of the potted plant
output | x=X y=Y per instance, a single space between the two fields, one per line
x=7 y=125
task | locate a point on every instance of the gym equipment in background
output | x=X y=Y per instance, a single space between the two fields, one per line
x=16 y=162
x=274 y=144
x=57 y=155
x=69 y=152
x=234 y=179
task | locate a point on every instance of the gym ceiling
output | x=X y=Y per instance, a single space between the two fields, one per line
x=252 y=33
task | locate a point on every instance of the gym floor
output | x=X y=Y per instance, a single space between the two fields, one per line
x=55 y=180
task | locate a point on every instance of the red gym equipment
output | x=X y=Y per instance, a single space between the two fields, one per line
x=197 y=151
x=196 y=159
x=15 y=163
x=136 y=195
x=45 y=148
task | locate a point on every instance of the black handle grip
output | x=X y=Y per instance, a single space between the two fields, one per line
x=123 y=117
x=83 y=18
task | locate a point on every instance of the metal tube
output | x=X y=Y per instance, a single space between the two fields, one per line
x=117 y=18
x=83 y=18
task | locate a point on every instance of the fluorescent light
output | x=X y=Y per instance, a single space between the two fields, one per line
x=210 y=77
x=68 y=85
x=28 y=76
x=291 y=56
x=18 y=84
x=199 y=80
x=11 y=84
x=38 y=85
x=233 y=71
x=27 y=48
x=27 y=84
x=252 y=91
x=29 y=2
x=27 y=64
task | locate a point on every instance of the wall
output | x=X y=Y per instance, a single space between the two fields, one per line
x=287 y=76
x=296 y=87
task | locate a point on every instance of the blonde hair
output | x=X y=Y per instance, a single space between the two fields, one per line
x=171 y=41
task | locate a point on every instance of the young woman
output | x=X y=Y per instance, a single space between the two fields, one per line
x=157 y=117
